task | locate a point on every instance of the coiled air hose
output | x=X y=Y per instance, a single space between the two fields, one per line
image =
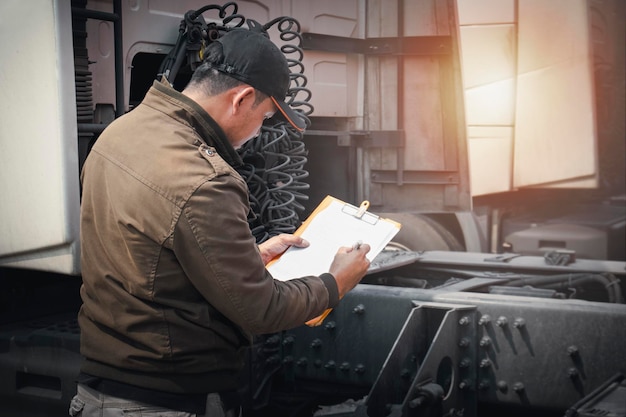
x=274 y=161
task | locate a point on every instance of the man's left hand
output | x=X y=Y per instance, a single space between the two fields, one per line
x=276 y=245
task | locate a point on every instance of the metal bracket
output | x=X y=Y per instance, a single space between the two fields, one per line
x=434 y=340
x=371 y=139
x=407 y=45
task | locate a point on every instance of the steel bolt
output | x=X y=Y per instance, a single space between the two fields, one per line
x=501 y=321
x=288 y=341
x=484 y=319
x=302 y=362
x=483 y=385
x=330 y=326
x=572 y=373
x=464 y=342
x=485 y=342
x=465 y=384
x=272 y=360
x=416 y=402
x=360 y=368
x=519 y=323
x=485 y=363
x=464 y=321
x=572 y=350
x=272 y=341
x=518 y=387
x=344 y=367
x=359 y=309
x=465 y=363
x=316 y=343
x=330 y=365
x=503 y=386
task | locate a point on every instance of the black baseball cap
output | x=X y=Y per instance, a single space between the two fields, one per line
x=251 y=57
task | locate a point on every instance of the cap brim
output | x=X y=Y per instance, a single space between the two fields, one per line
x=288 y=114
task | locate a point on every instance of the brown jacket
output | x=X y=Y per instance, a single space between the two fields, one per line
x=173 y=282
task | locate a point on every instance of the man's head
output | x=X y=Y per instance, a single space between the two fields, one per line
x=244 y=57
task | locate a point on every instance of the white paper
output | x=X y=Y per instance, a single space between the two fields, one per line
x=327 y=232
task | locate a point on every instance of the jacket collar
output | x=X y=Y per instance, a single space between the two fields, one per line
x=191 y=113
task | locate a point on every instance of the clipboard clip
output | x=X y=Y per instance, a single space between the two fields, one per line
x=361 y=212
x=362 y=209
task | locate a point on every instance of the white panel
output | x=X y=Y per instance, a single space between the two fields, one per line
x=488 y=54
x=330 y=17
x=490 y=159
x=491 y=104
x=555 y=126
x=327 y=76
x=473 y=12
x=39 y=185
x=333 y=78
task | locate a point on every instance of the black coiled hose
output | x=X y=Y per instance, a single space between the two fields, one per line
x=274 y=161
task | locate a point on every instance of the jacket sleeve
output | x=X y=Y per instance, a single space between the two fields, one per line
x=218 y=253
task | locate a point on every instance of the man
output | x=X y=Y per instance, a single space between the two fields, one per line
x=174 y=284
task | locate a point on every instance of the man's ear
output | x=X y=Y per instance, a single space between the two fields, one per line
x=244 y=96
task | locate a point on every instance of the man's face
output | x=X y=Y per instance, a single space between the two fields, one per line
x=251 y=119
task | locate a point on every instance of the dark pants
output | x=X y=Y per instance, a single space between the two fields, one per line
x=91 y=403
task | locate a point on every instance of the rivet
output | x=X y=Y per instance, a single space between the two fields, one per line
x=330 y=366
x=484 y=319
x=465 y=363
x=485 y=363
x=464 y=342
x=501 y=321
x=330 y=326
x=316 y=344
x=344 y=367
x=360 y=368
x=302 y=362
x=572 y=373
x=518 y=387
x=502 y=386
x=464 y=321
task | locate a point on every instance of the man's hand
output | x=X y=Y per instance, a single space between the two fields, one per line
x=349 y=266
x=276 y=245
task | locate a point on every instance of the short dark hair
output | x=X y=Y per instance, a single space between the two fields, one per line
x=213 y=82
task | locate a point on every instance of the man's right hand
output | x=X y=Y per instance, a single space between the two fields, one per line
x=349 y=266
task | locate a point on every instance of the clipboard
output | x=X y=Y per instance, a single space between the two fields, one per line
x=333 y=224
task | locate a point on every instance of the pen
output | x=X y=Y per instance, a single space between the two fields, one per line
x=357 y=245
